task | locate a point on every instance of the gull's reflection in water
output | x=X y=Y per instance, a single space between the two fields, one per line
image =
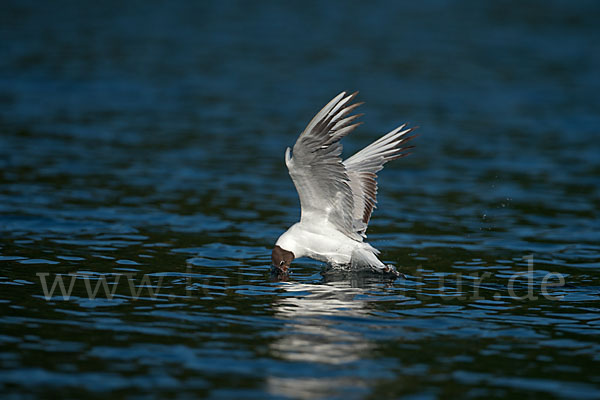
x=322 y=337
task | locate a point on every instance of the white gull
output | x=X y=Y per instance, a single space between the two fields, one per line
x=336 y=197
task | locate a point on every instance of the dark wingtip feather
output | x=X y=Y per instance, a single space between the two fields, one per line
x=392 y=158
x=405 y=138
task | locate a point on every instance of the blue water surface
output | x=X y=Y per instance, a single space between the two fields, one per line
x=142 y=186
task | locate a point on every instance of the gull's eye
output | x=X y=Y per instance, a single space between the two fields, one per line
x=281 y=262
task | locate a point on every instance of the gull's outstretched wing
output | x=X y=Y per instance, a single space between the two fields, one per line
x=362 y=170
x=317 y=170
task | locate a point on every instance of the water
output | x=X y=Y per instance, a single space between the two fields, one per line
x=141 y=154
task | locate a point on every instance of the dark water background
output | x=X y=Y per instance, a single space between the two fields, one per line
x=141 y=146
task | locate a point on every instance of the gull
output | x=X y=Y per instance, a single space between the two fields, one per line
x=337 y=197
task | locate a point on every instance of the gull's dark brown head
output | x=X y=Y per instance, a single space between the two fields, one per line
x=281 y=259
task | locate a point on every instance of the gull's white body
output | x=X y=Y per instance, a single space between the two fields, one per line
x=322 y=241
x=336 y=197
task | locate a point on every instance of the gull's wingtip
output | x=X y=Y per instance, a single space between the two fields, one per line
x=347 y=94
